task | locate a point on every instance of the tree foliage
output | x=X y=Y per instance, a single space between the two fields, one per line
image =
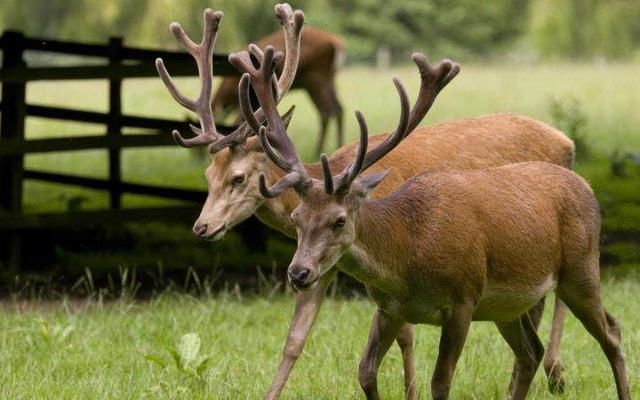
x=585 y=28
x=463 y=27
x=454 y=28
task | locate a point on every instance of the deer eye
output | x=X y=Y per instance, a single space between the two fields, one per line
x=238 y=180
x=340 y=222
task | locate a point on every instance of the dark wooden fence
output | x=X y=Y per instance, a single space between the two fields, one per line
x=121 y=62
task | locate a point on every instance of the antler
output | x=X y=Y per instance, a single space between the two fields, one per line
x=292 y=22
x=202 y=53
x=433 y=80
x=286 y=157
x=261 y=79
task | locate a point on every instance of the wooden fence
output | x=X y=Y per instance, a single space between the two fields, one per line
x=121 y=62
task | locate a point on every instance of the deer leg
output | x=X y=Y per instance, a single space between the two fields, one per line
x=552 y=365
x=524 y=341
x=535 y=315
x=324 y=123
x=339 y=115
x=452 y=338
x=321 y=98
x=307 y=306
x=384 y=329
x=584 y=300
x=405 y=342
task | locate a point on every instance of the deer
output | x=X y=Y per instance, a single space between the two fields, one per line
x=445 y=248
x=238 y=159
x=321 y=56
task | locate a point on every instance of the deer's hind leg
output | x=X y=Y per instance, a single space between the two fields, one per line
x=535 y=315
x=338 y=113
x=553 y=366
x=580 y=291
x=524 y=341
x=321 y=97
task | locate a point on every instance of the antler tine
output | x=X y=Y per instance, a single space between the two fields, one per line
x=292 y=23
x=202 y=53
x=245 y=103
x=433 y=80
x=271 y=153
x=349 y=174
x=292 y=179
x=393 y=139
x=326 y=174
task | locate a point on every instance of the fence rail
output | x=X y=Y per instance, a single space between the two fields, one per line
x=120 y=62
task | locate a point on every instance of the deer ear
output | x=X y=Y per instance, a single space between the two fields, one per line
x=366 y=184
x=286 y=117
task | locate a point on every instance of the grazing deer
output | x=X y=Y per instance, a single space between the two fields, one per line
x=445 y=248
x=321 y=55
x=233 y=176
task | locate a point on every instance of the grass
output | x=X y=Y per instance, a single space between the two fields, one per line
x=607 y=95
x=89 y=350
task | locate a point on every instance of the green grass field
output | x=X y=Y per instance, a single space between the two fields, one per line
x=89 y=350
x=607 y=94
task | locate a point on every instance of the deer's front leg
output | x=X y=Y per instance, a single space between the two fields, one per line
x=307 y=306
x=384 y=329
x=454 y=333
x=405 y=342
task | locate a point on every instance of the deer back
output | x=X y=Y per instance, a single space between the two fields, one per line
x=512 y=227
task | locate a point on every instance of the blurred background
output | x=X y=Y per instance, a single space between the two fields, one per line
x=572 y=63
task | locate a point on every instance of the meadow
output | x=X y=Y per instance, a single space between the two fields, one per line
x=138 y=350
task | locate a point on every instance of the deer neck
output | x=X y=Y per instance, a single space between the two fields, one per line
x=276 y=212
x=381 y=249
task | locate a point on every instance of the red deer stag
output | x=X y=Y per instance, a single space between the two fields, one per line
x=445 y=248
x=233 y=176
x=320 y=56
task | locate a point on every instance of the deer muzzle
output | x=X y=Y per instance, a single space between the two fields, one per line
x=301 y=276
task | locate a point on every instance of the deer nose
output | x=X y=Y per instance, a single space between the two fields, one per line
x=200 y=230
x=299 y=275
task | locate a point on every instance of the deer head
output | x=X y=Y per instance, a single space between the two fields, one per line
x=232 y=177
x=326 y=219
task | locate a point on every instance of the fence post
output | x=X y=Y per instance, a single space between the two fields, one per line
x=12 y=127
x=114 y=127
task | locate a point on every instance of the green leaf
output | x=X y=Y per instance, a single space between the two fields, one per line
x=203 y=366
x=176 y=358
x=189 y=347
x=156 y=360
